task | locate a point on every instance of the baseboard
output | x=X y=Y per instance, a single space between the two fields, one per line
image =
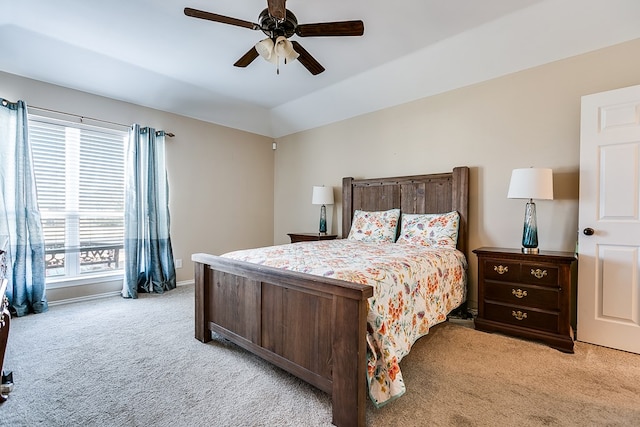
x=84 y=298
x=104 y=295
x=186 y=282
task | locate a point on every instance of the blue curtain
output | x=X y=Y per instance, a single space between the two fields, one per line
x=148 y=255
x=19 y=213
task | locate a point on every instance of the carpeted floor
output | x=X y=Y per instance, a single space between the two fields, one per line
x=116 y=362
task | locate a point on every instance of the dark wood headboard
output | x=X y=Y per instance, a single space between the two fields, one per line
x=434 y=193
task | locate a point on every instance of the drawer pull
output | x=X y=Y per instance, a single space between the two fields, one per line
x=538 y=274
x=501 y=269
x=518 y=293
x=519 y=315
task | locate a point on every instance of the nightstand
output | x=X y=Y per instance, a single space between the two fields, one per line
x=308 y=237
x=528 y=295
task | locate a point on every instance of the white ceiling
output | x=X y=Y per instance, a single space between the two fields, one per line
x=149 y=53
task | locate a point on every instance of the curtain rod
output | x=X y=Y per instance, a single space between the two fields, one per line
x=169 y=134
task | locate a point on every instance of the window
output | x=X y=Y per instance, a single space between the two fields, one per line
x=79 y=173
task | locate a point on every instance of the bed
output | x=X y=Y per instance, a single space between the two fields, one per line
x=311 y=325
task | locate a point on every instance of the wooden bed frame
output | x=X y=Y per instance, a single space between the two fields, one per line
x=315 y=327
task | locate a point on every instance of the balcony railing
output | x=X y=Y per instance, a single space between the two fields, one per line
x=107 y=256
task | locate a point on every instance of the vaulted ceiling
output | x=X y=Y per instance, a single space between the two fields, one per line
x=149 y=53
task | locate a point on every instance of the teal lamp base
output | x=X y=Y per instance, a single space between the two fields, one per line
x=530 y=231
x=323 y=220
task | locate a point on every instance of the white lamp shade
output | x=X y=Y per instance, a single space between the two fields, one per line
x=322 y=195
x=531 y=183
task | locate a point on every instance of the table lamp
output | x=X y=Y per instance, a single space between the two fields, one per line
x=531 y=183
x=322 y=196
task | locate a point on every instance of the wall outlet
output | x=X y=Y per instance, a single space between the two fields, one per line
x=178 y=263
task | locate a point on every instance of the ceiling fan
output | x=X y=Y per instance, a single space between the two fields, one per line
x=279 y=24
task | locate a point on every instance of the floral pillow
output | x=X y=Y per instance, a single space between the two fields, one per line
x=374 y=226
x=440 y=230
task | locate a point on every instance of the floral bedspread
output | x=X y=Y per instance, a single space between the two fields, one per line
x=415 y=287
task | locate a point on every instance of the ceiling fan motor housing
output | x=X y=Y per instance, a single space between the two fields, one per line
x=274 y=28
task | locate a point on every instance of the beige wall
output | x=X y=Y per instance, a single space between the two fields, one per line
x=221 y=179
x=229 y=191
x=530 y=118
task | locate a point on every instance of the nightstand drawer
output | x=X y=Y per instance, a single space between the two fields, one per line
x=529 y=296
x=522 y=316
x=515 y=272
x=498 y=269
x=539 y=274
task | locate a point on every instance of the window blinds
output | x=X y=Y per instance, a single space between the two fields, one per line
x=79 y=174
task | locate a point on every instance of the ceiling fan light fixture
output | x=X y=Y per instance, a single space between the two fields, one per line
x=284 y=49
x=272 y=51
x=266 y=50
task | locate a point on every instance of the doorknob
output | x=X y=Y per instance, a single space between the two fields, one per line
x=588 y=231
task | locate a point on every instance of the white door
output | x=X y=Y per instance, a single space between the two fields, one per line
x=609 y=220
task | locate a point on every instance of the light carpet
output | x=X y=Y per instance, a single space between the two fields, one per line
x=116 y=362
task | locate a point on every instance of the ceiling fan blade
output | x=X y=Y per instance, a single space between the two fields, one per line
x=195 y=13
x=247 y=58
x=277 y=9
x=326 y=29
x=307 y=60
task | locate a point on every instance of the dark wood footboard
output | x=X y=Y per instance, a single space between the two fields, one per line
x=311 y=326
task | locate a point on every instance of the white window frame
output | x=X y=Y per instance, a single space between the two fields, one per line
x=76 y=278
